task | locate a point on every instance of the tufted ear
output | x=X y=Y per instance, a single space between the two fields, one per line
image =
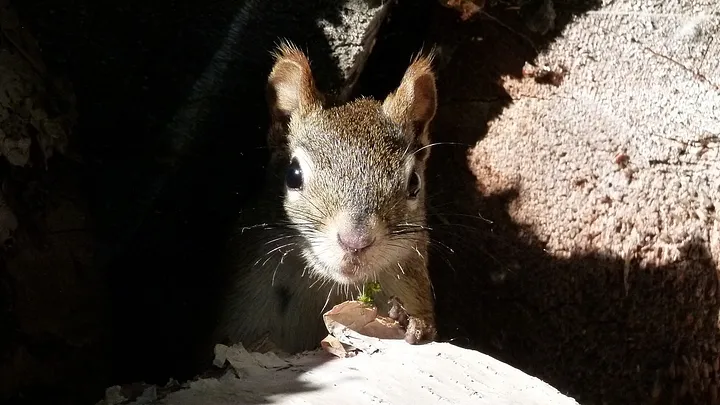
x=291 y=88
x=412 y=105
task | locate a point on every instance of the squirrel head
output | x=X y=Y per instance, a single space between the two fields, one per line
x=353 y=174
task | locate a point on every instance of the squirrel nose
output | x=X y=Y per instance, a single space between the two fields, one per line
x=355 y=240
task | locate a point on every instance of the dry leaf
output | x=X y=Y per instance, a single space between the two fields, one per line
x=354 y=325
x=332 y=345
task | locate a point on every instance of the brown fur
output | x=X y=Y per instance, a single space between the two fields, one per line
x=358 y=159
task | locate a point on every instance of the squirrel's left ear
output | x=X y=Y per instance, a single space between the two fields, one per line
x=291 y=88
x=412 y=105
x=291 y=91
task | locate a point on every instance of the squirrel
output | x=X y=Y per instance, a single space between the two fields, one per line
x=344 y=205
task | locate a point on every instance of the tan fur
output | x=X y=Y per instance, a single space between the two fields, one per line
x=415 y=101
x=356 y=159
x=292 y=82
x=291 y=88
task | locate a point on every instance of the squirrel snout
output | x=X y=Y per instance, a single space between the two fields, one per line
x=355 y=240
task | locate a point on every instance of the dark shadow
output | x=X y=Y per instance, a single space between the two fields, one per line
x=165 y=166
x=569 y=321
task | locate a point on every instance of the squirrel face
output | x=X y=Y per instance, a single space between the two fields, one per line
x=354 y=173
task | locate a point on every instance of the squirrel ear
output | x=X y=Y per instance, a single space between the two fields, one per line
x=413 y=104
x=291 y=87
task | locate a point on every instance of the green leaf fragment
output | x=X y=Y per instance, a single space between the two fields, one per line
x=368 y=292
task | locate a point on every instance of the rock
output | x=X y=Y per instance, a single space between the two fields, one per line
x=611 y=174
x=29 y=108
x=399 y=374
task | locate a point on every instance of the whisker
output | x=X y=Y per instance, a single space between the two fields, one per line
x=282 y=259
x=278 y=239
x=405 y=232
x=327 y=300
x=419 y=254
x=279 y=247
x=469 y=216
x=317 y=280
x=449 y=249
x=266 y=260
x=440 y=143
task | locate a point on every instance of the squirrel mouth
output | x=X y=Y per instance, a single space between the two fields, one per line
x=353 y=267
x=349 y=271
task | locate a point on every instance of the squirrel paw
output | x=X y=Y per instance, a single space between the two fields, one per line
x=397 y=312
x=417 y=330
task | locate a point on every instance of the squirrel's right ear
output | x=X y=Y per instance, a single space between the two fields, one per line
x=291 y=88
x=413 y=104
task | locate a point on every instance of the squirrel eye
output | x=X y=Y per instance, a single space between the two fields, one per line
x=294 y=175
x=413 y=187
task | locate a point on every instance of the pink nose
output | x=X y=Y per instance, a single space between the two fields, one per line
x=355 y=240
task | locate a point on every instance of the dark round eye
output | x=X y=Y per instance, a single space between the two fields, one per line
x=413 y=185
x=294 y=175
